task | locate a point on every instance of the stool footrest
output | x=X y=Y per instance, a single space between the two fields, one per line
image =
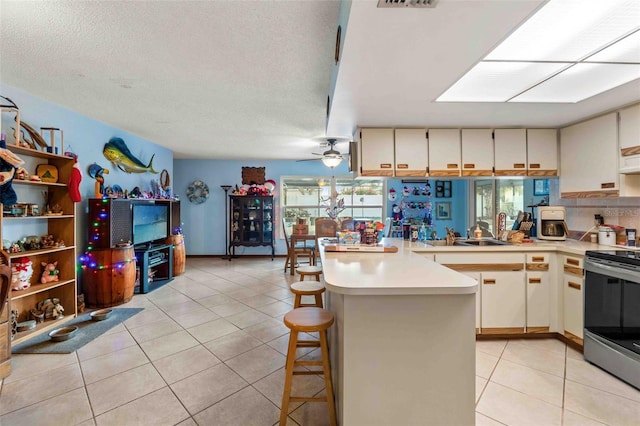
x=306 y=363
x=307 y=373
x=309 y=399
x=308 y=344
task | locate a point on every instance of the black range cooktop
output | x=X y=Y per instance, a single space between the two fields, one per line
x=630 y=257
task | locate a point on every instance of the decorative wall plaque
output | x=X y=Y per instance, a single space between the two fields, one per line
x=253 y=175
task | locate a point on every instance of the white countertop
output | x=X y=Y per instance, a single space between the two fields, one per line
x=568 y=246
x=401 y=273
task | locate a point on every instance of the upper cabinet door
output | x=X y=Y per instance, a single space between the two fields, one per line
x=477 y=152
x=376 y=152
x=444 y=152
x=412 y=152
x=511 y=152
x=589 y=158
x=542 y=152
x=629 y=126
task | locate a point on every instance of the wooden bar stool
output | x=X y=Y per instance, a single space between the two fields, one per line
x=307 y=289
x=304 y=271
x=308 y=320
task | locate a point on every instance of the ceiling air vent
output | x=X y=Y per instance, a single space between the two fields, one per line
x=407 y=3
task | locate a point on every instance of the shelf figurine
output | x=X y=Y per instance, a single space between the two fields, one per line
x=50 y=272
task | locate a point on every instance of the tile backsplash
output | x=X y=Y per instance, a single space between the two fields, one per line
x=581 y=212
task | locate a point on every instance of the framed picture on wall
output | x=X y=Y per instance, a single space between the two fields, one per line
x=443 y=189
x=540 y=187
x=443 y=210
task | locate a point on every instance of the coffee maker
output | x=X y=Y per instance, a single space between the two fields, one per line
x=551 y=223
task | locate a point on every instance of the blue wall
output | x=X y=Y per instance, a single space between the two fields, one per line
x=204 y=224
x=86 y=137
x=458 y=200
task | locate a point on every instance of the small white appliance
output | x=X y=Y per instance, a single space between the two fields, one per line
x=551 y=223
x=606 y=236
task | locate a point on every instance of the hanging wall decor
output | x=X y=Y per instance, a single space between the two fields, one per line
x=253 y=175
x=120 y=156
x=197 y=192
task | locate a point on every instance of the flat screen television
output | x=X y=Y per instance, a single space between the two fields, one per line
x=150 y=223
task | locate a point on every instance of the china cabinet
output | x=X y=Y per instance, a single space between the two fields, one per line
x=251 y=222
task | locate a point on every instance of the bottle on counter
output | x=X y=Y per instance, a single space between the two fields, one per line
x=477 y=233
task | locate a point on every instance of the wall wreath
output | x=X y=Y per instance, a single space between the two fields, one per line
x=197 y=192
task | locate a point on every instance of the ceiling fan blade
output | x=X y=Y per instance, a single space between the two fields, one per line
x=310 y=159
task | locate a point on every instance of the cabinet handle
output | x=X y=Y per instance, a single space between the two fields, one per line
x=534 y=165
x=518 y=165
x=469 y=166
x=574 y=285
x=607 y=185
x=574 y=262
x=535 y=280
x=402 y=166
x=385 y=165
x=537 y=259
x=452 y=165
x=489 y=281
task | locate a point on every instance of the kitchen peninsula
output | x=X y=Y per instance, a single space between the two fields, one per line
x=403 y=346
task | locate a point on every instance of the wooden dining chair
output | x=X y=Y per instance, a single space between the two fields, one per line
x=325 y=228
x=347 y=224
x=305 y=251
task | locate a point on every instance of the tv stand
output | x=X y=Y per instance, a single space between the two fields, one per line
x=154 y=266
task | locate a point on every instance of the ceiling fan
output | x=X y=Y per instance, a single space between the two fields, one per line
x=331 y=157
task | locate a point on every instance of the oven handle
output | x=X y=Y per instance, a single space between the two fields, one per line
x=612 y=271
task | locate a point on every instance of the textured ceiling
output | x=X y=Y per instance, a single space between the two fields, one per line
x=207 y=79
x=249 y=79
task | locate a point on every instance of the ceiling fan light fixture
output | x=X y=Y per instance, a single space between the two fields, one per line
x=331 y=161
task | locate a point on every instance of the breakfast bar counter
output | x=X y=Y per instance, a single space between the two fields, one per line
x=403 y=345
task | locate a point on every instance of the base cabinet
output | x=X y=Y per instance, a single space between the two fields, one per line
x=503 y=300
x=538 y=282
x=573 y=305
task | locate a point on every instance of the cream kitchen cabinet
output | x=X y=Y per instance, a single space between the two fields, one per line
x=477 y=152
x=376 y=152
x=589 y=158
x=573 y=283
x=510 y=147
x=629 y=134
x=542 y=152
x=444 y=152
x=502 y=295
x=412 y=152
x=477 y=276
x=538 y=281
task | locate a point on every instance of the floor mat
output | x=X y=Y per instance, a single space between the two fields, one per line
x=87 y=331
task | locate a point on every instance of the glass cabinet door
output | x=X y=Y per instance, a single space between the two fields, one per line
x=267 y=214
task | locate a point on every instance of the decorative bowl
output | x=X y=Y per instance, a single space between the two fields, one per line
x=101 y=315
x=26 y=325
x=63 y=333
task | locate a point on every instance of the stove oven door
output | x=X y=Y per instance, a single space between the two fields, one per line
x=612 y=319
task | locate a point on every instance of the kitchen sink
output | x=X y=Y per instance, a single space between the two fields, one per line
x=480 y=243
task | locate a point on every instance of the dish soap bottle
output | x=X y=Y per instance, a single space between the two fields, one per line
x=477 y=233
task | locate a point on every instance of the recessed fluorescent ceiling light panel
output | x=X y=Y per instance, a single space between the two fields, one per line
x=568 y=51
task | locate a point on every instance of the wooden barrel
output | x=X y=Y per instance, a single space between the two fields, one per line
x=179 y=255
x=109 y=277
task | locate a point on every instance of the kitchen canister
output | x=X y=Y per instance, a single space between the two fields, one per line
x=631 y=237
x=606 y=236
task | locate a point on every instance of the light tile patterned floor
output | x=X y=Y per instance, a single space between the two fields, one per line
x=209 y=349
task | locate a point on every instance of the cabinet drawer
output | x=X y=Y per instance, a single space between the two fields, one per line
x=538 y=261
x=573 y=265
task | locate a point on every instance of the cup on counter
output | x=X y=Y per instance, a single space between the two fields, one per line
x=594 y=238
